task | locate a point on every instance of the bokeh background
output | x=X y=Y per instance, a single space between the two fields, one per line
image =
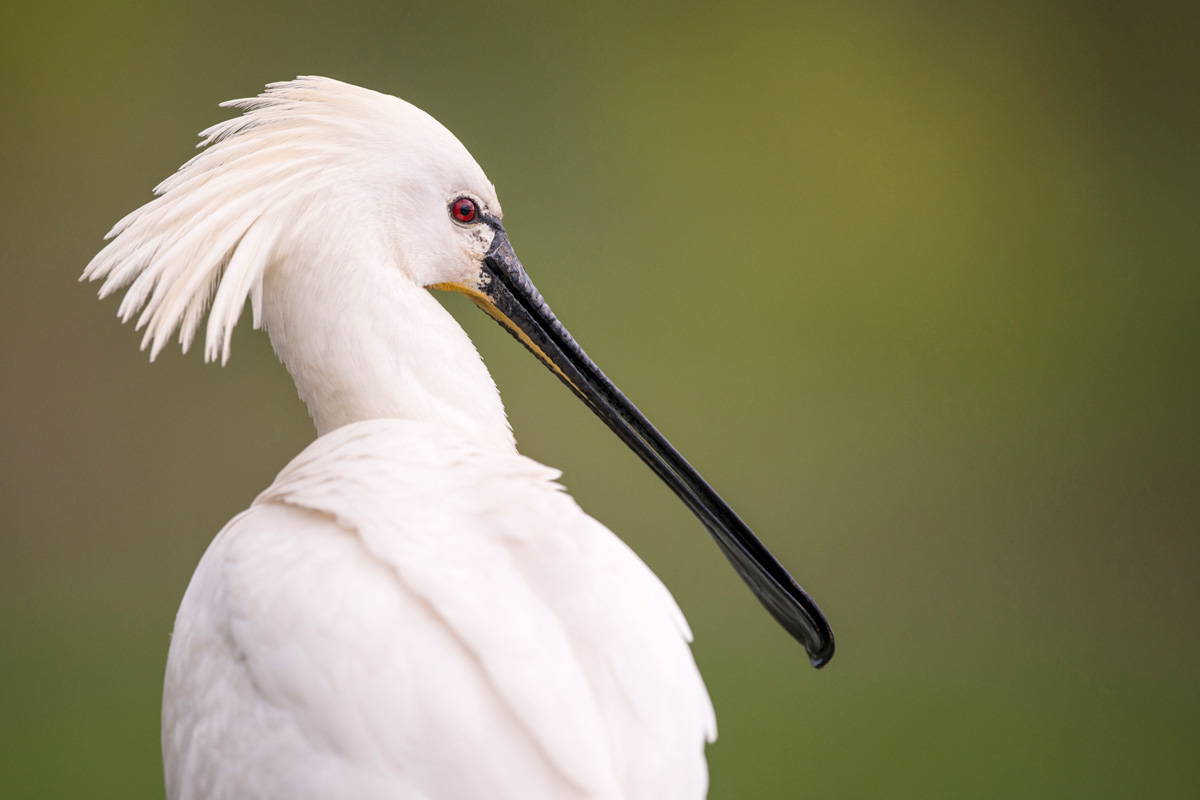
x=915 y=286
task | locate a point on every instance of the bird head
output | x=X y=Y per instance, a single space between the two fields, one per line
x=314 y=171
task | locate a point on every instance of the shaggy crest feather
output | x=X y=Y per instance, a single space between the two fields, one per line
x=218 y=223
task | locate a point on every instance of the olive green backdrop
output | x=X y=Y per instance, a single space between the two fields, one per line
x=916 y=287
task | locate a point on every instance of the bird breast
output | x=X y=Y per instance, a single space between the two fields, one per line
x=401 y=603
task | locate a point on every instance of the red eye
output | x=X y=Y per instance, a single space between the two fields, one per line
x=464 y=210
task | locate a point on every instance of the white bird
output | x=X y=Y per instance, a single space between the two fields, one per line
x=412 y=609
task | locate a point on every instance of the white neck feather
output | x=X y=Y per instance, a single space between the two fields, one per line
x=375 y=345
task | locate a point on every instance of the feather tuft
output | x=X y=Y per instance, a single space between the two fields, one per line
x=216 y=225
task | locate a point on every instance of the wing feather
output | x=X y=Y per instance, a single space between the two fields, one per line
x=418 y=609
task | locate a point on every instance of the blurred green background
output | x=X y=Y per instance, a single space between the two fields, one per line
x=916 y=287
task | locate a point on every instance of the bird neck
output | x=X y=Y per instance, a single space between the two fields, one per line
x=365 y=342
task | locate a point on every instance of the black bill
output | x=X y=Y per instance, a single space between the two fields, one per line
x=509 y=296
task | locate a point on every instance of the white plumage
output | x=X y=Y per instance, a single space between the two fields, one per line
x=412 y=609
x=405 y=614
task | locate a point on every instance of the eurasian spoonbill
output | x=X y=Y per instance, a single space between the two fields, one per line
x=412 y=609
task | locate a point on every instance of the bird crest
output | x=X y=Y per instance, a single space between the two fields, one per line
x=218 y=223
